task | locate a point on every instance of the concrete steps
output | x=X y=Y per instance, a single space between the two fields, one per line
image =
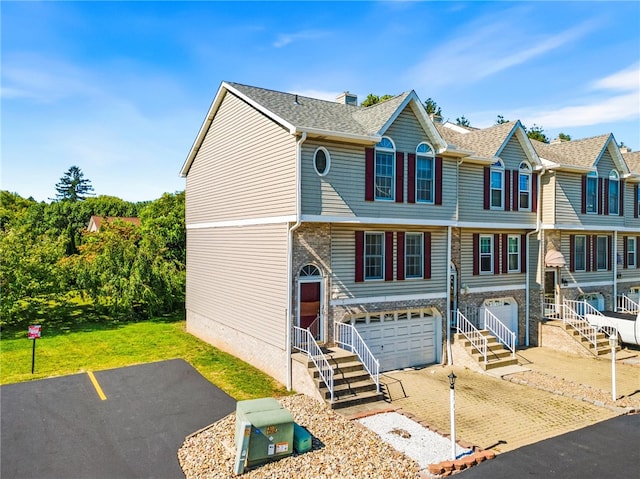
x=497 y=355
x=601 y=347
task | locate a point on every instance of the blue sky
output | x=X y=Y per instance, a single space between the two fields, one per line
x=120 y=89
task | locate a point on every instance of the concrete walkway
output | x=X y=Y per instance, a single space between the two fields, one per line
x=496 y=414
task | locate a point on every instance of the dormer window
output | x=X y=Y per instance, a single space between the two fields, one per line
x=384 y=170
x=524 y=186
x=424 y=173
x=592 y=192
x=614 y=193
x=497 y=186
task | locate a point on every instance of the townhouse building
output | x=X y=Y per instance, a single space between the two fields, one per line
x=311 y=214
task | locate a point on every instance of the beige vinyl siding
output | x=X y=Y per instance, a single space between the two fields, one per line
x=629 y=273
x=569 y=204
x=548 y=184
x=238 y=277
x=471 y=197
x=406 y=132
x=584 y=276
x=341 y=192
x=245 y=168
x=512 y=154
x=343 y=250
x=629 y=201
x=605 y=165
x=507 y=280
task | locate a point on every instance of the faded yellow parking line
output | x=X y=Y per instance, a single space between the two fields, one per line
x=97 y=386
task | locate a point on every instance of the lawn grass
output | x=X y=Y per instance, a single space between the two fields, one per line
x=93 y=346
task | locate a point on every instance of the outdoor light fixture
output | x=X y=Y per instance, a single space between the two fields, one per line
x=452 y=404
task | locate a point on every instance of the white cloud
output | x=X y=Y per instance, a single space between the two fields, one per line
x=285 y=39
x=628 y=79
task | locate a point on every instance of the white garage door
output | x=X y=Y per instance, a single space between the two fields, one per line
x=401 y=339
x=506 y=310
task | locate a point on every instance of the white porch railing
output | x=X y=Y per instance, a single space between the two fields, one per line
x=550 y=309
x=500 y=331
x=473 y=335
x=625 y=304
x=303 y=341
x=572 y=314
x=594 y=317
x=348 y=337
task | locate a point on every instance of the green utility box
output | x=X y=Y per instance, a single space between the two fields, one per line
x=301 y=439
x=264 y=432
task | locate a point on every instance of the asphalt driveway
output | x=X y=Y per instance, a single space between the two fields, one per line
x=63 y=428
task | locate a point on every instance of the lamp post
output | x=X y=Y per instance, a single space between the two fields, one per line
x=452 y=405
x=613 y=342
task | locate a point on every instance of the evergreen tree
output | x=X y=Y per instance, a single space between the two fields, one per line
x=73 y=186
x=462 y=121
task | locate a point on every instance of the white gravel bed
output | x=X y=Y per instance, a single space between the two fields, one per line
x=412 y=439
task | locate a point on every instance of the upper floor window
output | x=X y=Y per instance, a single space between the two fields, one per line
x=602 y=252
x=321 y=161
x=524 y=186
x=497 y=185
x=424 y=173
x=580 y=253
x=632 y=260
x=373 y=255
x=614 y=193
x=513 y=245
x=384 y=170
x=486 y=253
x=413 y=255
x=592 y=192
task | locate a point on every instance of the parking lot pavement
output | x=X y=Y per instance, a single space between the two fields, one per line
x=606 y=449
x=61 y=428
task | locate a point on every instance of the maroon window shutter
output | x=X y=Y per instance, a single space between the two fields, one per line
x=534 y=193
x=496 y=253
x=588 y=248
x=637 y=251
x=438 y=182
x=572 y=253
x=411 y=179
x=635 y=200
x=388 y=256
x=594 y=252
x=507 y=190
x=400 y=255
x=359 y=256
x=610 y=252
x=606 y=195
x=625 y=265
x=584 y=194
x=515 y=204
x=523 y=253
x=487 y=187
x=427 y=255
x=399 y=177
x=476 y=254
x=621 y=210
x=505 y=251
x=600 y=195
x=369 y=179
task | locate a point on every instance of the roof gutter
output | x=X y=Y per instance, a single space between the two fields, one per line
x=295 y=226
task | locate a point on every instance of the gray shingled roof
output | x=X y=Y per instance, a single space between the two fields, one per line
x=632 y=159
x=485 y=142
x=312 y=113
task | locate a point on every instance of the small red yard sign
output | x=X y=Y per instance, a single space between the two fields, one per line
x=34 y=331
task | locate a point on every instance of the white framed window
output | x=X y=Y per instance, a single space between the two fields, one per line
x=580 y=253
x=321 y=161
x=614 y=193
x=592 y=192
x=413 y=255
x=486 y=254
x=373 y=256
x=602 y=253
x=524 y=187
x=632 y=244
x=497 y=186
x=384 y=170
x=424 y=173
x=513 y=253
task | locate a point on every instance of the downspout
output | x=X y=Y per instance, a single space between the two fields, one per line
x=289 y=309
x=448 y=283
x=540 y=259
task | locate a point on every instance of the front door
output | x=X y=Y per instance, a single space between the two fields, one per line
x=309 y=311
x=551 y=297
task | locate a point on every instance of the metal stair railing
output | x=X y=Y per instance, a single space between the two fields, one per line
x=625 y=304
x=573 y=318
x=304 y=341
x=599 y=321
x=474 y=336
x=349 y=338
x=500 y=331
